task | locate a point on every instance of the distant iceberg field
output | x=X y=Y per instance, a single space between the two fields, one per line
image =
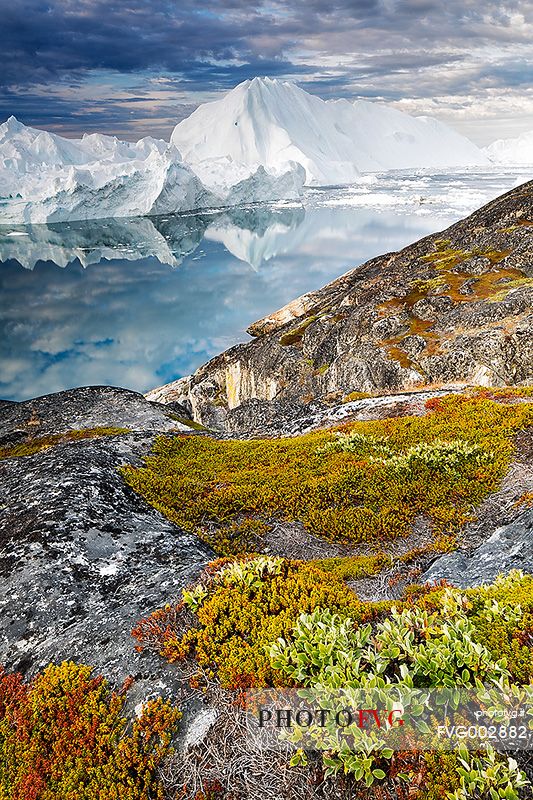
x=513 y=151
x=262 y=142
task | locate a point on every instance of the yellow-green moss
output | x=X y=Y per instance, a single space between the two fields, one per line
x=354 y=567
x=429 y=285
x=446 y=260
x=294 y=335
x=189 y=423
x=518 y=283
x=502 y=392
x=204 y=484
x=322 y=369
x=37 y=443
x=237 y=621
x=349 y=398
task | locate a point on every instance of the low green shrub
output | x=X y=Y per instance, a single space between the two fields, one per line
x=431 y=645
x=365 y=484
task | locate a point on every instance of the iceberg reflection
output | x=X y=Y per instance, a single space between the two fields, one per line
x=253 y=235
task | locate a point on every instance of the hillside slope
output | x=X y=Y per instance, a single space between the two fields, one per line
x=453 y=307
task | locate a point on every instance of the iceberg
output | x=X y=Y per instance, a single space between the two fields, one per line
x=262 y=142
x=512 y=151
x=270 y=122
x=47 y=178
x=237 y=183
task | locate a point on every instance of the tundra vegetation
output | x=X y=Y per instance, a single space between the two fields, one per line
x=364 y=482
x=64 y=735
x=261 y=621
x=254 y=620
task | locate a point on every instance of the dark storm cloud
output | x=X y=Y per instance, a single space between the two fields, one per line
x=43 y=41
x=395 y=49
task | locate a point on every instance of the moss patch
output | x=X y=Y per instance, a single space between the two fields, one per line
x=37 y=443
x=353 y=568
x=206 y=485
x=518 y=283
x=295 y=335
x=242 y=611
x=190 y=423
x=349 y=398
x=447 y=260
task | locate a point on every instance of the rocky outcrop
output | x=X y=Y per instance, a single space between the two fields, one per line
x=82 y=557
x=453 y=307
x=508 y=547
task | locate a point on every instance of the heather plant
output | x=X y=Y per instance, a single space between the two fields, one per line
x=244 y=606
x=63 y=736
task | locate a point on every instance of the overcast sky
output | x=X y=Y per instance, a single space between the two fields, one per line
x=136 y=67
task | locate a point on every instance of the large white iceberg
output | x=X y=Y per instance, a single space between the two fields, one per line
x=261 y=142
x=47 y=178
x=512 y=151
x=270 y=122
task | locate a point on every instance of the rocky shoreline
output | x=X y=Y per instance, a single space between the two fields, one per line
x=454 y=307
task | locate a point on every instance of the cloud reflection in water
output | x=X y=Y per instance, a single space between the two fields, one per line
x=137 y=303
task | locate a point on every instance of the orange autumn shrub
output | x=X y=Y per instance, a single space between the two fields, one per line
x=63 y=736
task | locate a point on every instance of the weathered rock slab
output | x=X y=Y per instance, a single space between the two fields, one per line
x=509 y=547
x=82 y=557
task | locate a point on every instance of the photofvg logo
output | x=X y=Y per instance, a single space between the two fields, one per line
x=390 y=718
x=362 y=718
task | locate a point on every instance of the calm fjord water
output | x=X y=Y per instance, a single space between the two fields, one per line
x=137 y=303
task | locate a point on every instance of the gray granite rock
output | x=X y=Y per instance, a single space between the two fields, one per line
x=509 y=547
x=366 y=331
x=82 y=557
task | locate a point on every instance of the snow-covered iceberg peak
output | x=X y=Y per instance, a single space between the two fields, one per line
x=28 y=147
x=512 y=151
x=271 y=122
